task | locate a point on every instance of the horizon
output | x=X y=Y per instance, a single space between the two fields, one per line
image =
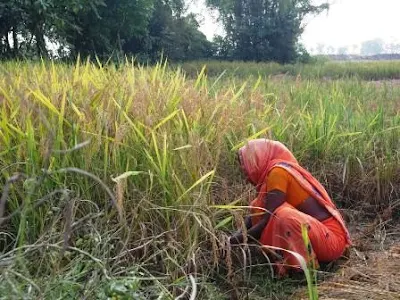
x=348 y=23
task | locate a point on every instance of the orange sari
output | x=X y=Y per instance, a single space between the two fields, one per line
x=328 y=238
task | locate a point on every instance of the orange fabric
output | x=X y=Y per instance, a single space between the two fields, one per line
x=281 y=180
x=329 y=239
x=258 y=158
x=284 y=230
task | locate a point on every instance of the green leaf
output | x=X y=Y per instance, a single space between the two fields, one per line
x=224 y=222
x=127 y=174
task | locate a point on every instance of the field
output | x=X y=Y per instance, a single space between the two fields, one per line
x=122 y=181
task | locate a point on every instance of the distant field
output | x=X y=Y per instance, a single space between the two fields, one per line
x=373 y=70
x=110 y=176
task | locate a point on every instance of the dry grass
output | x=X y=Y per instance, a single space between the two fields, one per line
x=111 y=175
x=371 y=272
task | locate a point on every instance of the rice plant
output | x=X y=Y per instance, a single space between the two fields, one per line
x=372 y=70
x=111 y=175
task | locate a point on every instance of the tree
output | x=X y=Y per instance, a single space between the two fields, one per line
x=11 y=25
x=109 y=27
x=103 y=28
x=30 y=22
x=393 y=48
x=170 y=34
x=372 y=47
x=264 y=29
x=330 y=50
x=344 y=50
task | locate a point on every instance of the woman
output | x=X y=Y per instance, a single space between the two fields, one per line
x=289 y=198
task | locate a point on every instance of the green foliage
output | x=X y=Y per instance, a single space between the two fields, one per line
x=372 y=47
x=177 y=38
x=259 y=30
x=116 y=175
x=262 y=30
x=310 y=271
x=31 y=22
x=105 y=31
x=103 y=28
x=124 y=289
x=316 y=68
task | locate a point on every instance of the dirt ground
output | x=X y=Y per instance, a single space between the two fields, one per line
x=372 y=270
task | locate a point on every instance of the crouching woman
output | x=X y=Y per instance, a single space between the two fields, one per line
x=289 y=199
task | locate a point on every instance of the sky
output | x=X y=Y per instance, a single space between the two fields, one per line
x=347 y=23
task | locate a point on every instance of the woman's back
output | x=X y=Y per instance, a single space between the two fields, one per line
x=296 y=195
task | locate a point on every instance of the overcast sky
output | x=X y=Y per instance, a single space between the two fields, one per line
x=348 y=23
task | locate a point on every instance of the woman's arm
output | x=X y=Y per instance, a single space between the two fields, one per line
x=272 y=201
x=247 y=222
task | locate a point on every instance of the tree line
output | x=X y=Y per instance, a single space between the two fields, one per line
x=366 y=48
x=256 y=30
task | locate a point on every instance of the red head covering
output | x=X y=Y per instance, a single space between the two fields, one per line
x=259 y=156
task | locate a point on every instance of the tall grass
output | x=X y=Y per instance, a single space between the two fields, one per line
x=373 y=70
x=112 y=175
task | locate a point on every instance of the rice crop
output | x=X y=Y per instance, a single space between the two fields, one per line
x=121 y=181
x=371 y=70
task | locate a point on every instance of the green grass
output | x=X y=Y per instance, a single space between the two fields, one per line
x=374 y=70
x=112 y=176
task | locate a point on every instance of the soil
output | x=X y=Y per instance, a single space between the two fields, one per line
x=372 y=270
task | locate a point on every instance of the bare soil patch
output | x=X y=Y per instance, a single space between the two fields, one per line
x=372 y=270
x=387 y=82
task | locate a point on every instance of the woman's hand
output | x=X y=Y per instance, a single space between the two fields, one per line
x=272 y=201
x=236 y=239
